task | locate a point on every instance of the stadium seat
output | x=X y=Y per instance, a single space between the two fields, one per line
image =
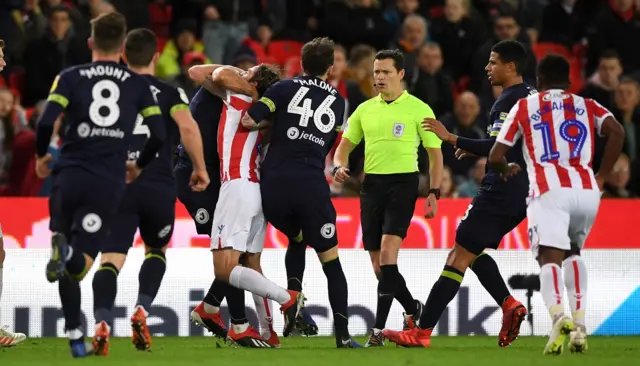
x=575 y=75
x=292 y=67
x=542 y=49
x=283 y=50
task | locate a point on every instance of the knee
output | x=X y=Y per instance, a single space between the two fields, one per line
x=547 y=255
x=115 y=259
x=223 y=264
x=376 y=268
x=252 y=260
x=152 y=250
x=88 y=263
x=389 y=249
x=460 y=258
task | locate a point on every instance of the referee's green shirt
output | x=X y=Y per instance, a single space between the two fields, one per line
x=392 y=132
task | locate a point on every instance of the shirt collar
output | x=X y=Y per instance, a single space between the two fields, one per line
x=402 y=96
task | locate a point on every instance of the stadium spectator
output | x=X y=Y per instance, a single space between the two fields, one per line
x=448 y=186
x=465 y=121
x=226 y=25
x=172 y=56
x=615 y=185
x=79 y=22
x=602 y=85
x=412 y=37
x=7 y=131
x=245 y=61
x=356 y=21
x=183 y=80
x=429 y=82
x=460 y=33
x=616 y=27
x=398 y=12
x=562 y=23
x=25 y=25
x=360 y=75
x=627 y=99
x=136 y=12
x=46 y=56
x=469 y=188
x=300 y=18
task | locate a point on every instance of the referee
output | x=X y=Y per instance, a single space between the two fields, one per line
x=391 y=126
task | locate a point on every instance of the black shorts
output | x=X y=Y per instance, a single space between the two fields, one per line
x=150 y=207
x=294 y=205
x=387 y=204
x=200 y=205
x=490 y=216
x=83 y=206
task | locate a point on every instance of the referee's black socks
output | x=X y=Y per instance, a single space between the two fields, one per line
x=150 y=277
x=387 y=284
x=486 y=269
x=443 y=291
x=338 y=295
x=105 y=287
x=404 y=297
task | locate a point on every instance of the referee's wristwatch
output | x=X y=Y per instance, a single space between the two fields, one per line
x=436 y=192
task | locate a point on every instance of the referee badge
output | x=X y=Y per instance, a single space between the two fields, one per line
x=398 y=129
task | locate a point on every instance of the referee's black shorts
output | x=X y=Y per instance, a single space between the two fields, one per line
x=387 y=203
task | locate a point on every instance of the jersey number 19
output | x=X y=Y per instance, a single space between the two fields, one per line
x=306 y=112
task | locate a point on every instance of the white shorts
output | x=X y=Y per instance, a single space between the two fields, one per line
x=562 y=217
x=238 y=221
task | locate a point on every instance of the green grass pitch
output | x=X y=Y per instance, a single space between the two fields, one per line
x=449 y=351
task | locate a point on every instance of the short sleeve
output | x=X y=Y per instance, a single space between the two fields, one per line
x=60 y=90
x=510 y=130
x=429 y=139
x=179 y=101
x=270 y=101
x=599 y=114
x=353 y=128
x=148 y=101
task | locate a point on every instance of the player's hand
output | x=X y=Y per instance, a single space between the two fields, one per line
x=430 y=206
x=435 y=126
x=462 y=154
x=600 y=181
x=199 y=180
x=133 y=171
x=341 y=175
x=42 y=166
x=512 y=169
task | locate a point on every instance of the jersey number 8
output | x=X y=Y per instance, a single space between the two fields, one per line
x=306 y=112
x=108 y=105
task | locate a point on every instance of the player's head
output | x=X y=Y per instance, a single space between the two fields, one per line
x=264 y=76
x=3 y=63
x=388 y=71
x=507 y=61
x=317 y=57
x=553 y=72
x=108 y=32
x=140 y=48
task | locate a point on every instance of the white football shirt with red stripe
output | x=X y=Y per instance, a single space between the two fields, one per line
x=558 y=130
x=237 y=146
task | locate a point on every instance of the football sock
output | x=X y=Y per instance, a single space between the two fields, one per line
x=235 y=301
x=150 y=277
x=294 y=262
x=486 y=269
x=254 y=282
x=442 y=292
x=70 y=299
x=575 y=280
x=215 y=295
x=338 y=296
x=265 y=317
x=403 y=295
x=76 y=263
x=551 y=289
x=105 y=287
x=386 y=293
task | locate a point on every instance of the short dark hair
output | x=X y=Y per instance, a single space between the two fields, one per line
x=108 y=32
x=140 y=46
x=1 y=43
x=59 y=9
x=396 y=55
x=512 y=51
x=317 y=56
x=265 y=77
x=609 y=54
x=553 y=71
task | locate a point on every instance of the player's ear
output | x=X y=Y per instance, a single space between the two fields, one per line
x=124 y=58
x=401 y=74
x=90 y=43
x=330 y=71
x=156 y=57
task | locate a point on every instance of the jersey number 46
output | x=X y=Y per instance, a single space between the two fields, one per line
x=306 y=112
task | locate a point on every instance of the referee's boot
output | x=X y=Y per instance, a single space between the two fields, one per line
x=376 y=339
x=411 y=320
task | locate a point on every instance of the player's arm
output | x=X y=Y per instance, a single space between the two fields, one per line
x=257 y=117
x=152 y=115
x=57 y=102
x=608 y=126
x=432 y=144
x=200 y=73
x=509 y=134
x=227 y=78
x=189 y=130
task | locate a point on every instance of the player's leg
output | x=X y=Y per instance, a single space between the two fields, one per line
x=7 y=338
x=318 y=219
x=294 y=262
x=263 y=305
x=548 y=220
x=239 y=203
x=575 y=270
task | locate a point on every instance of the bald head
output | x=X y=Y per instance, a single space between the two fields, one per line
x=414 y=30
x=467 y=108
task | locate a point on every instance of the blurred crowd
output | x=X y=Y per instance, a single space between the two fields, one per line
x=446 y=45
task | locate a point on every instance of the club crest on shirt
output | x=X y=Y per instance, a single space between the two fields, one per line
x=398 y=129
